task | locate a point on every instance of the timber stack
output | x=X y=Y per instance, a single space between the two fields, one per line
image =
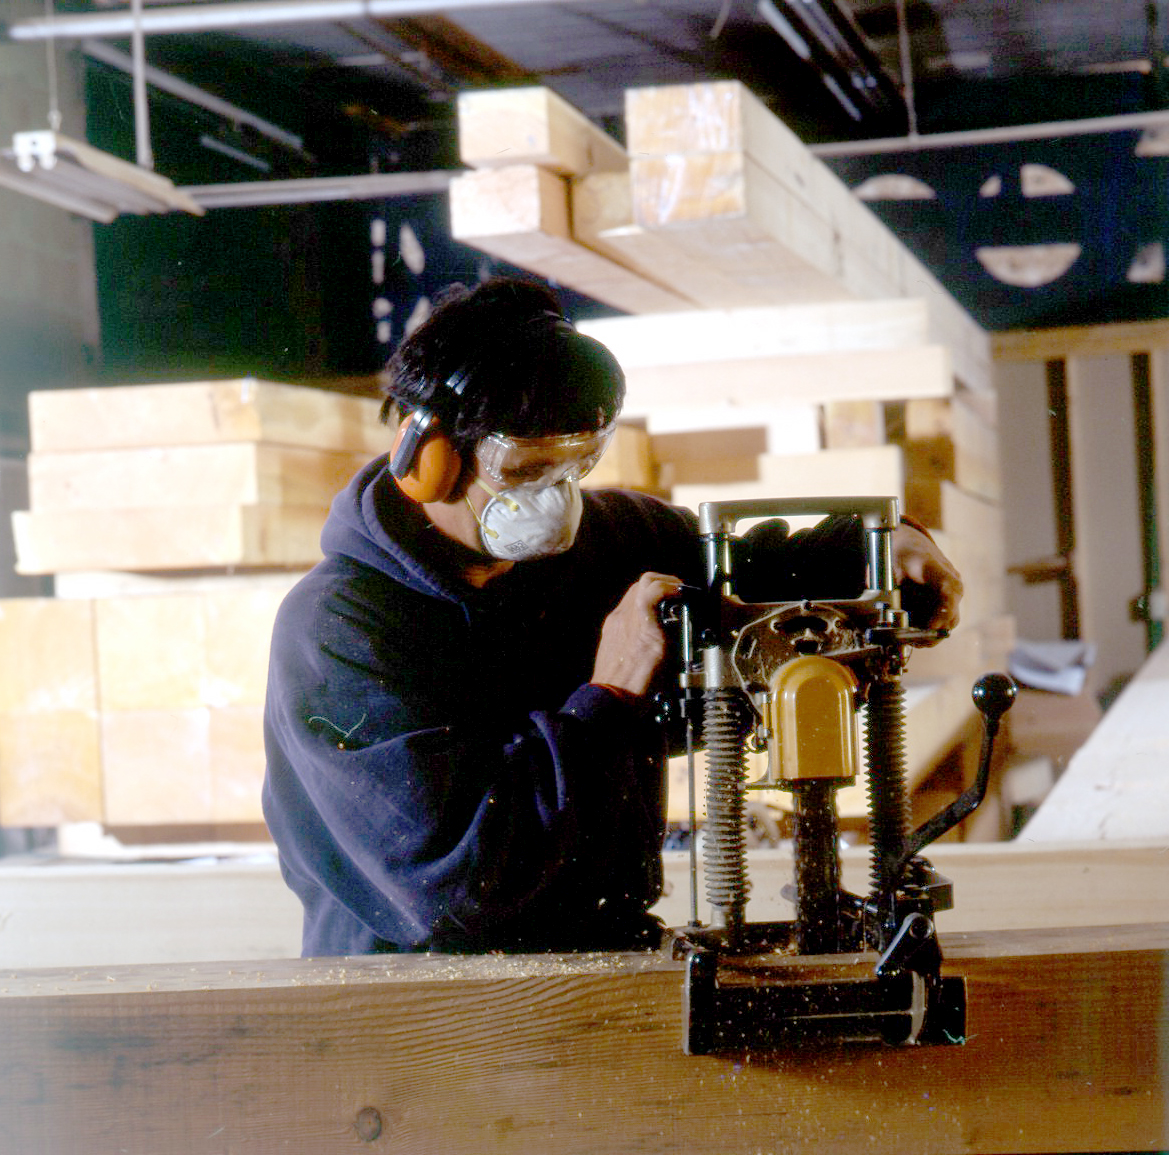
x=174 y=518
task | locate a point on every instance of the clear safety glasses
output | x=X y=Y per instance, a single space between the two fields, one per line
x=513 y=461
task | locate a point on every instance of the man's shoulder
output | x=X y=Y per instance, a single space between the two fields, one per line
x=343 y=584
x=648 y=533
x=617 y=505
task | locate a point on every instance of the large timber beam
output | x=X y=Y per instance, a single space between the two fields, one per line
x=1066 y=1051
x=717 y=172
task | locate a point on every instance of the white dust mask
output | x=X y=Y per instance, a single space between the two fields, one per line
x=529 y=521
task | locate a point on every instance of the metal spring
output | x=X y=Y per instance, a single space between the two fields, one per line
x=888 y=807
x=726 y=772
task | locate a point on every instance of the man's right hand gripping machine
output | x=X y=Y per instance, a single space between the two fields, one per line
x=794 y=677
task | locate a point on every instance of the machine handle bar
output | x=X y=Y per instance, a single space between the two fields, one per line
x=716 y=517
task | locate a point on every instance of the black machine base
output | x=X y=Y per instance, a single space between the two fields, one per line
x=762 y=1002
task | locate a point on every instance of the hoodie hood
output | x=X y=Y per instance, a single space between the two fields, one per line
x=371 y=522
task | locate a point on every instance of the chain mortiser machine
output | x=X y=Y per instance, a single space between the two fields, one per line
x=794 y=677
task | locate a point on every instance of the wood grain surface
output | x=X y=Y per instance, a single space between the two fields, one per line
x=1065 y=1051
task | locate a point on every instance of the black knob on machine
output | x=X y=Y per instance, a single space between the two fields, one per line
x=993 y=695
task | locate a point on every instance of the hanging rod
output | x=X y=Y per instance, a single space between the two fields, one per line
x=1007 y=134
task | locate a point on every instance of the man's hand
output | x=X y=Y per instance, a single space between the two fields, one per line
x=930 y=586
x=633 y=642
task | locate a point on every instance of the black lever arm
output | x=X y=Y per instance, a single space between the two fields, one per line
x=993 y=694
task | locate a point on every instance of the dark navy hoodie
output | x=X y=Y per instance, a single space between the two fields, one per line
x=441 y=775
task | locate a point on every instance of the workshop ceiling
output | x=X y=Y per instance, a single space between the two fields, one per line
x=1065 y=228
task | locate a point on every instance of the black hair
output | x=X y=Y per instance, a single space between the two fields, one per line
x=528 y=372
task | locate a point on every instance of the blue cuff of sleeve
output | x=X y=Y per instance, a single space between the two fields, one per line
x=592 y=701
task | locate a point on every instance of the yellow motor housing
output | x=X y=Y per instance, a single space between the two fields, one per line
x=813 y=724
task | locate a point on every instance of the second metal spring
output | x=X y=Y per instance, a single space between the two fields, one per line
x=725 y=848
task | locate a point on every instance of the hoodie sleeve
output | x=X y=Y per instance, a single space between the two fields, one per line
x=412 y=815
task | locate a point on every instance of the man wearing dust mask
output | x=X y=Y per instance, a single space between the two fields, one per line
x=463 y=753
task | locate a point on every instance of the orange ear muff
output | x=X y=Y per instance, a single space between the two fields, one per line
x=435 y=469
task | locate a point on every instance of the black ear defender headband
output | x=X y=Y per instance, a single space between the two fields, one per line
x=420 y=421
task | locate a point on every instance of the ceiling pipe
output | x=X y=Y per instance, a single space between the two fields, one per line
x=1008 y=134
x=906 y=67
x=205 y=17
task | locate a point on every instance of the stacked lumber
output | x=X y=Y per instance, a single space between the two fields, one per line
x=175 y=518
x=50 y=764
x=715 y=203
x=527 y=147
x=136 y=709
x=188 y=476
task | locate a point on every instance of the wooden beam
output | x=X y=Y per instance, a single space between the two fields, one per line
x=174 y=651
x=50 y=767
x=710 y=455
x=50 y=770
x=714 y=167
x=536 y=126
x=172 y=476
x=879 y=374
x=872 y=470
x=627 y=462
x=137 y=904
x=437 y=1054
x=202 y=413
x=135 y=709
x=520 y=214
x=998 y=886
x=725 y=210
x=602 y=220
x=945 y=440
x=853 y=424
x=716 y=335
x=212 y=761
x=253 y=536
x=1080 y=341
x=123 y=583
x=1115 y=787
x=721 y=148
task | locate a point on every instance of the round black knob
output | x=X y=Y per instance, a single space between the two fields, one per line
x=994 y=694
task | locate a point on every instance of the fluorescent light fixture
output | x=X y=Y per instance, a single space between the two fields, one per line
x=75 y=176
x=372 y=186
